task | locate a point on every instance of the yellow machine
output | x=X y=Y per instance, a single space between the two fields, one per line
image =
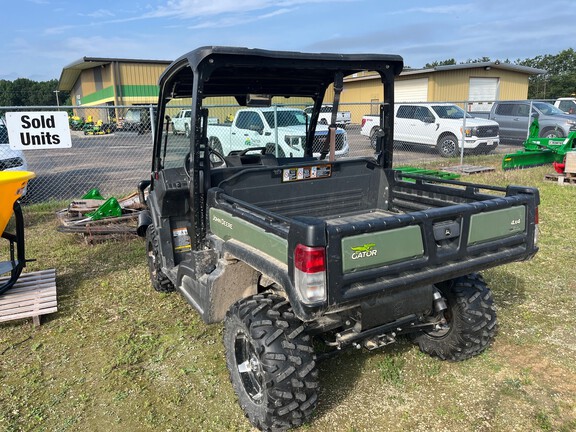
x=12 y=186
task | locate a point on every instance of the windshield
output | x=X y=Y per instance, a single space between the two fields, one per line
x=450 y=112
x=546 y=108
x=285 y=118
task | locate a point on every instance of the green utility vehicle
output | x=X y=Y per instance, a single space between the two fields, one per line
x=304 y=256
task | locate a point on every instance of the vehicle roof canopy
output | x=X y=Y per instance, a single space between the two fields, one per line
x=232 y=71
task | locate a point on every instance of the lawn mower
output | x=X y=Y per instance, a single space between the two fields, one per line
x=541 y=151
x=12 y=186
x=98 y=128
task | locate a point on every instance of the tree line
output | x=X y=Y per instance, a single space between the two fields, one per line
x=558 y=81
x=26 y=92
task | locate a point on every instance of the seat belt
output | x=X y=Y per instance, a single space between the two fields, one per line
x=330 y=143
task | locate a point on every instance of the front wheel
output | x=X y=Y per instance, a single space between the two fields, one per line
x=552 y=133
x=448 y=146
x=271 y=362
x=470 y=321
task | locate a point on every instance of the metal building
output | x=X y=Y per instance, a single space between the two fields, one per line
x=477 y=83
x=94 y=81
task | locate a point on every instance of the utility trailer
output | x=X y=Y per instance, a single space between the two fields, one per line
x=303 y=256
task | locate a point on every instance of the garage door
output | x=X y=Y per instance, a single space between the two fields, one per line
x=482 y=91
x=414 y=90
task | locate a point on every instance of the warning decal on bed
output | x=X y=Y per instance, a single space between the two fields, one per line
x=306 y=173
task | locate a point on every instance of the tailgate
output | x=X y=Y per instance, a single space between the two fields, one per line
x=376 y=253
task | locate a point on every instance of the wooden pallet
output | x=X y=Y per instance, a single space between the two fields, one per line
x=566 y=179
x=468 y=169
x=33 y=295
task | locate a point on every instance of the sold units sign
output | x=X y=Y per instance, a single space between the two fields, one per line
x=38 y=130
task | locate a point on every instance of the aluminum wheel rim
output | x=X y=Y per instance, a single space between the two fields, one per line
x=249 y=368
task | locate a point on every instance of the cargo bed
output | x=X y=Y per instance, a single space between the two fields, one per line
x=424 y=230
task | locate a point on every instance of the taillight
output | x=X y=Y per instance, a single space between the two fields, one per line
x=310 y=273
x=363 y=122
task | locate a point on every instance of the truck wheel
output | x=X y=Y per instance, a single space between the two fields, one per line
x=448 y=146
x=471 y=321
x=215 y=144
x=160 y=281
x=271 y=362
x=186 y=130
x=323 y=122
x=552 y=133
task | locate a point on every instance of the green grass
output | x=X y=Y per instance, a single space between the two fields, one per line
x=118 y=356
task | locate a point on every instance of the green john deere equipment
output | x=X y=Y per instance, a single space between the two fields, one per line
x=541 y=151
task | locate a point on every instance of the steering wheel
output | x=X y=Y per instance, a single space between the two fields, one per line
x=216 y=160
x=262 y=150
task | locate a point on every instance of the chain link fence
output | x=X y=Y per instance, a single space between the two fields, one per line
x=112 y=145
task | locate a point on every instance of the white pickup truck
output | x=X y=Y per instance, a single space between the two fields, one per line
x=343 y=118
x=181 y=122
x=438 y=125
x=566 y=104
x=256 y=127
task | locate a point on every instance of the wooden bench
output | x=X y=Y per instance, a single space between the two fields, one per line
x=33 y=295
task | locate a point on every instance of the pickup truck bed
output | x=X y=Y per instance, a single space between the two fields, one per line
x=423 y=230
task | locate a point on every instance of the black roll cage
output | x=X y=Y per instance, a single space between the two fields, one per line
x=214 y=71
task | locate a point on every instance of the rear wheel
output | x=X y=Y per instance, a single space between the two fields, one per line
x=448 y=146
x=552 y=133
x=470 y=321
x=271 y=362
x=215 y=145
x=160 y=281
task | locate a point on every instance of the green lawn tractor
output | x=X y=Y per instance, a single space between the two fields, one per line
x=541 y=151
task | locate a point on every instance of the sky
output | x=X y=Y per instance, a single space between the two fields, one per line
x=41 y=37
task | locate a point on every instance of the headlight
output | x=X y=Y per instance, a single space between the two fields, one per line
x=571 y=122
x=468 y=132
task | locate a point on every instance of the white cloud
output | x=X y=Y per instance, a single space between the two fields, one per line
x=100 y=13
x=202 y=8
x=439 y=10
x=237 y=20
